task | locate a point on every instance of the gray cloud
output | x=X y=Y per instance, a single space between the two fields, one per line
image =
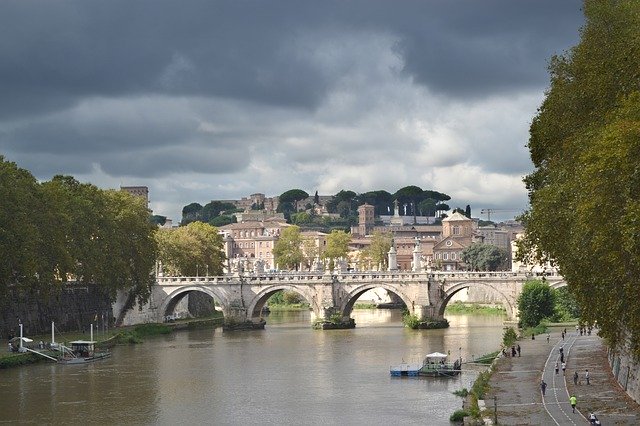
x=218 y=99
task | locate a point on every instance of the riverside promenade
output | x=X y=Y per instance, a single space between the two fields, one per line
x=515 y=384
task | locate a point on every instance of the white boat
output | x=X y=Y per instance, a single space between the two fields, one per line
x=81 y=352
x=433 y=365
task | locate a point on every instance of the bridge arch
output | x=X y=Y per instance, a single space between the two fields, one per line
x=557 y=284
x=350 y=300
x=508 y=302
x=260 y=299
x=173 y=298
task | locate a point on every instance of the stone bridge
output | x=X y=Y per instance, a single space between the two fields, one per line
x=425 y=294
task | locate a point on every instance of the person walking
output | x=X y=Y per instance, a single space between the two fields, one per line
x=573 y=401
x=556 y=367
x=575 y=378
x=564 y=368
x=548 y=337
x=586 y=376
x=518 y=349
x=543 y=387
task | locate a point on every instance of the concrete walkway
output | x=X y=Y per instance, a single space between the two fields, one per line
x=515 y=384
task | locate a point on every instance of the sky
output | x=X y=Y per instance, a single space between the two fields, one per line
x=204 y=100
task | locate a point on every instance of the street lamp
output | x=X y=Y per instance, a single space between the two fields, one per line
x=207 y=270
x=197 y=272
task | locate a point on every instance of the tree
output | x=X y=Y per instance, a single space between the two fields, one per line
x=427 y=207
x=337 y=246
x=195 y=249
x=343 y=195
x=467 y=211
x=191 y=212
x=411 y=195
x=158 y=220
x=310 y=251
x=381 y=200
x=378 y=251
x=293 y=196
x=316 y=199
x=535 y=303
x=287 y=250
x=585 y=146
x=485 y=257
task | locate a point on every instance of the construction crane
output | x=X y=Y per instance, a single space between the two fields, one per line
x=488 y=212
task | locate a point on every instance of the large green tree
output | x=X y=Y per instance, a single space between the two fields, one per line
x=585 y=189
x=337 y=246
x=377 y=252
x=287 y=251
x=293 y=196
x=195 y=249
x=485 y=257
x=63 y=230
x=535 y=303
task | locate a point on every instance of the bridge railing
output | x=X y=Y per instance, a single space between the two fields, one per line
x=350 y=276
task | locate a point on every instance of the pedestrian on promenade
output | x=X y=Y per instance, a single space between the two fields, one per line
x=573 y=400
x=564 y=367
x=548 y=337
x=562 y=334
x=513 y=351
x=561 y=350
x=577 y=329
x=575 y=378
x=586 y=376
x=543 y=386
x=561 y=357
x=518 y=349
x=556 y=367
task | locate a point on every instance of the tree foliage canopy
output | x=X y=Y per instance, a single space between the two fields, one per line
x=194 y=249
x=62 y=230
x=287 y=251
x=585 y=145
x=337 y=245
x=535 y=303
x=485 y=257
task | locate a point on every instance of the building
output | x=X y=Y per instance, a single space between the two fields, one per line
x=138 y=191
x=458 y=233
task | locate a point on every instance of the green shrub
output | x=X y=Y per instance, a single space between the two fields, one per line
x=458 y=416
x=462 y=392
x=410 y=321
x=509 y=337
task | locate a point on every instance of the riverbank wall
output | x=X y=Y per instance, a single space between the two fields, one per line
x=75 y=307
x=625 y=368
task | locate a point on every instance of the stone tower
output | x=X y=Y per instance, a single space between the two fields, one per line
x=365 y=219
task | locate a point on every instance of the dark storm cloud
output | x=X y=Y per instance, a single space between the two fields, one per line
x=56 y=52
x=244 y=96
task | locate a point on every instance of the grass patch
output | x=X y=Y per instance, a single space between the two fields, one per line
x=289 y=307
x=459 y=307
x=538 y=329
x=478 y=390
x=365 y=306
x=151 y=329
x=487 y=359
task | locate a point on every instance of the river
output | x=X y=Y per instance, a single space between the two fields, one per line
x=286 y=374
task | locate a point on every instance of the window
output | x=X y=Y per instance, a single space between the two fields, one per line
x=445 y=256
x=456 y=230
x=453 y=256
